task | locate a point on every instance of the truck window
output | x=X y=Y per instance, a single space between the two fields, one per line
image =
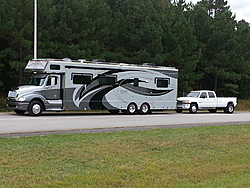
x=82 y=79
x=203 y=95
x=211 y=95
x=52 y=81
x=37 y=79
x=107 y=80
x=193 y=94
x=162 y=82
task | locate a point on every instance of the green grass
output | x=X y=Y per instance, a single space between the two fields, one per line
x=216 y=156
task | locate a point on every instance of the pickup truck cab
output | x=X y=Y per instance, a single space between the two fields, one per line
x=205 y=99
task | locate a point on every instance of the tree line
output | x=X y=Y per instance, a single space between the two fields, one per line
x=205 y=42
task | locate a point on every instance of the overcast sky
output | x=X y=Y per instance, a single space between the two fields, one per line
x=239 y=7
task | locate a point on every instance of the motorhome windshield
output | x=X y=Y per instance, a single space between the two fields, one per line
x=193 y=94
x=37 y=79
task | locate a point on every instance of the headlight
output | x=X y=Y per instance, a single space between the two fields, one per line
x=21 y=98
x=185 y=102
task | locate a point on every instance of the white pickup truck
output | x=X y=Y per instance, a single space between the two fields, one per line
x=205 y=99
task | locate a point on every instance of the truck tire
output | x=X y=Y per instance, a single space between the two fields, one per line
x=193 y=108
x=35 y=108
x=145 y=109
x=229 y=109
x=132 y=108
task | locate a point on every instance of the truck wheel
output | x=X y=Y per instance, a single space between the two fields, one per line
x=132 y=108
x=145 y=109
x=19 y=112
x=35 y=108
x=229 y=109
x=193 y=108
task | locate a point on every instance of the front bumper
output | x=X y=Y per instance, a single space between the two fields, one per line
x=183 y=106
x=17 y=105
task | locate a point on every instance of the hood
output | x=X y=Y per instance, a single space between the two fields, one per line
x=184 y=98
x=27 y=89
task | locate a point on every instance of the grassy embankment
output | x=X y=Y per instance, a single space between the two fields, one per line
x=214 y=156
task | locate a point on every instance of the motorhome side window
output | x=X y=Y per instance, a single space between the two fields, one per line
x=82 y=79
x=55 y=67
x=107 y=80
x=162 y=82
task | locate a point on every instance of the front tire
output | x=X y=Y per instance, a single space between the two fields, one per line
x=193 y=108
x=35 y=108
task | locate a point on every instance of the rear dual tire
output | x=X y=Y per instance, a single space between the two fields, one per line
x=132 y=108
x=145 y=109
x=229 y=109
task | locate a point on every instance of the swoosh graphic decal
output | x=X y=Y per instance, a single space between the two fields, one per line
x=145 y=91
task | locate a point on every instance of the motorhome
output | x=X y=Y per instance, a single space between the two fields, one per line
x=65 y=84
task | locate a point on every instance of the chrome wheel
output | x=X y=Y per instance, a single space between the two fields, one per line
x=131 y=108
x=193 y=108
x=229 y=109
x=144 y=108
x=35 y=108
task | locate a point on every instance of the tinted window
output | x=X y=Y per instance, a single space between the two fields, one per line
x=52 y=81
x=211 y=95
x=193 y=94
x=81 y=79
x=55 y=67
x=162 y=82
x=38 y=79
x=107 y=80
x=203 y=95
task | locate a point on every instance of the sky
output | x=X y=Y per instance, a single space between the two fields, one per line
x=241 y=8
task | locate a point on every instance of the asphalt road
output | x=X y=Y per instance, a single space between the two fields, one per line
x=59 y=123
